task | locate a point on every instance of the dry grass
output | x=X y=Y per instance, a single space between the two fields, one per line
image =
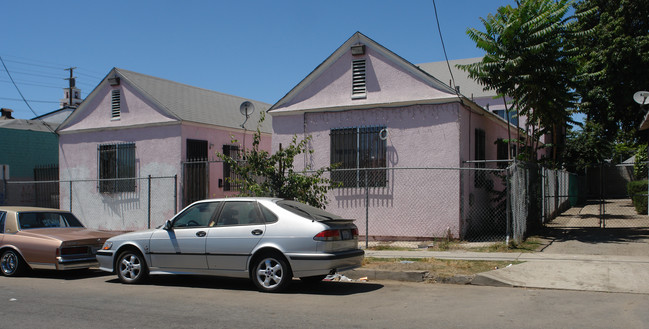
x=436 y=267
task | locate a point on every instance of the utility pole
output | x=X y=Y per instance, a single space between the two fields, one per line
x=72 y=84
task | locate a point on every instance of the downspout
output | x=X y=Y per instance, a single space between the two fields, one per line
x=304 y=137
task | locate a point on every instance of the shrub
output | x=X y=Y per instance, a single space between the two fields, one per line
x=638 y=192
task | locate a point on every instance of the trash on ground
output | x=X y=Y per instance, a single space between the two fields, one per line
x=338 y=277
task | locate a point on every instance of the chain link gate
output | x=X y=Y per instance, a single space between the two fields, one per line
x=598 y=199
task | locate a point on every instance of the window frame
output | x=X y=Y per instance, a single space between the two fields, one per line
x=229 y=176
x=360 y=149
x=116 y=161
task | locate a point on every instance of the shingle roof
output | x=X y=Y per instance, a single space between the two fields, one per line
x=189 y=103
x=468 y=86
x=32 y=125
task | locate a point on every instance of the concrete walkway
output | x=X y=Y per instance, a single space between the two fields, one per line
x=577 y=255
x=608 y=273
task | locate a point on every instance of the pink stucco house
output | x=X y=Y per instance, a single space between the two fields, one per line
x=134 y=126
x=367 y=107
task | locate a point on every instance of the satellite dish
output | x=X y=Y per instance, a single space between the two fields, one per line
x=641 y=97
x=247 y=108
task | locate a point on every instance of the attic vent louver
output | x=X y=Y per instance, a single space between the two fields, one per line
x=115 y=104
x=359 y=89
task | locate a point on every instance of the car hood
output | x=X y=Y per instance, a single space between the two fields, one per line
x=134 y=235
x=69 y=234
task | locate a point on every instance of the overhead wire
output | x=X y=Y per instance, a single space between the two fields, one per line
x=448 y=64
x=22 y=96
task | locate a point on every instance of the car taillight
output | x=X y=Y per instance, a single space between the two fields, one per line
x=327 y=235
x=355 y=232
x=73 y=251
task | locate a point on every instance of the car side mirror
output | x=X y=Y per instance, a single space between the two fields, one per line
x=168 y=225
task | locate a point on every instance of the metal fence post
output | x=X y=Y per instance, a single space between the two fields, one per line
x=149 y=203
x=367 y=212
x=175 y=193
x=70 y=195
x=508 y=206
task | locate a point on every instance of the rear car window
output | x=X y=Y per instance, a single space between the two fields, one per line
x=31 y=220
x=307 y=211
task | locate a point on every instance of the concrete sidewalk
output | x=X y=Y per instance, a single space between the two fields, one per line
x=607 y=273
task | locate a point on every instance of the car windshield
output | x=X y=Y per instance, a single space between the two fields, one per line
x=307 y=211
x=31 y=220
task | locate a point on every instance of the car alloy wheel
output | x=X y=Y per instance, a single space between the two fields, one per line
x=131 y=267
x=271 y=273
x=10 y=263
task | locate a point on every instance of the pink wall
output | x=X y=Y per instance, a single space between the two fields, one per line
x=419 y=136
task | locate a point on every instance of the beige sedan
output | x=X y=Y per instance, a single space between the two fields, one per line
x=42 y=238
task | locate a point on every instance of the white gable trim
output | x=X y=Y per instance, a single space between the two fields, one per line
x=359 y=38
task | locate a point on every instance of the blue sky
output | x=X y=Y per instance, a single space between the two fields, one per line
x=253 y=49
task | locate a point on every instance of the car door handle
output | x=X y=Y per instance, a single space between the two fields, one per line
x=257 y=232
x=201 y=234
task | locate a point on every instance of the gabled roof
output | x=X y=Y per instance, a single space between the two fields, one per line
x=184 y=102
x=359 y=38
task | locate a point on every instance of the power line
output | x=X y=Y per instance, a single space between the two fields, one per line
x=21 y=94
x=38 y=65
x=29 y=100
x=24 y=83
x=439 y=29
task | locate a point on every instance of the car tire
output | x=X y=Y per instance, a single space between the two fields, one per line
x=11 y=263
x=271 y=272
x=312 y=280
x=131 y=267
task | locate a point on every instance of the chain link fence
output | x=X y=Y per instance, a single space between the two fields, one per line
x=109 y=204
x=483 y=201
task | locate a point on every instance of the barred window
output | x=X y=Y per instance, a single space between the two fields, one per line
x=116 y=161
x=229 y=177
x=355 y=149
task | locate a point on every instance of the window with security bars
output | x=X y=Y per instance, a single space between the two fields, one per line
x=229 y=177
x=115 y=104
x=359 y=88
x=354 y=152
x=116 y=162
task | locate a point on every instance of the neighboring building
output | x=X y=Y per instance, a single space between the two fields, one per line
x=135 y=126
x=366 y=107
x=27 y=148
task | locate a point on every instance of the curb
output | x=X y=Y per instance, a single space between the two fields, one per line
x=406 y=276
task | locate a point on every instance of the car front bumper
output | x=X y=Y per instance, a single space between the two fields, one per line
x=105 y=260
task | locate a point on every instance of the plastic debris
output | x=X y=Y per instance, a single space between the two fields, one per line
x=337 y=277
x=406 y=262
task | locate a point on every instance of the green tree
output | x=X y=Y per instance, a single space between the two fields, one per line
x=586 y=147
x=613 y=63
x=526 y=60
x=261 y=173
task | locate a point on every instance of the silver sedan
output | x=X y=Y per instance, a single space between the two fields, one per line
x=268 y=240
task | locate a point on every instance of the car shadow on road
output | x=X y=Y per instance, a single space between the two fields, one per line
x=66 y=275
x=297 y=287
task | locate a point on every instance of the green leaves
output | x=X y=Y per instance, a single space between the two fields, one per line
x=526 y=59
x=260 y=173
